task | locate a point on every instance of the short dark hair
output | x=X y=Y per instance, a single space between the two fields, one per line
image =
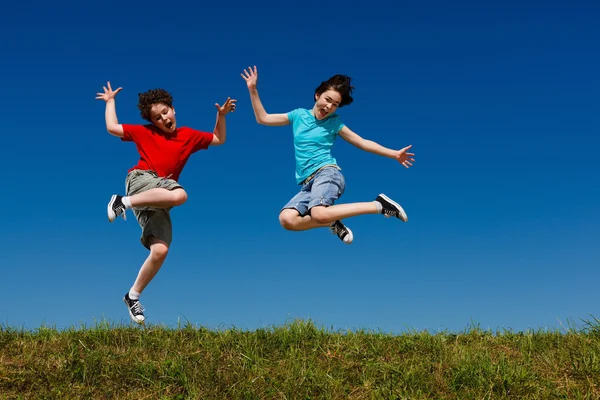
x=151 y=97
x=339 y=83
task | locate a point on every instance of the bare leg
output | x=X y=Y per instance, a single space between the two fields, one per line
x=158 y=254
x=322 y=216
x=291 y=220
x=159 y=198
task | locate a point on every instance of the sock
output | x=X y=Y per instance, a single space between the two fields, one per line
x=126 y=202
x=379 y=207
x=133 y=295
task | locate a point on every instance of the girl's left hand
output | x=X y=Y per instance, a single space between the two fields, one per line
x=404 y=157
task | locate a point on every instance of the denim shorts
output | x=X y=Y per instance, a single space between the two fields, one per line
x=153 y=221
x=326 y=186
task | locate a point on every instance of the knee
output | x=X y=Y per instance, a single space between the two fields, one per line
x=319 y=215
x=159 y=251
x=288 y=219
x=179 y=196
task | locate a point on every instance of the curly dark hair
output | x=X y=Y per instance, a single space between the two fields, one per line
x=339 y=83
x=151 y=97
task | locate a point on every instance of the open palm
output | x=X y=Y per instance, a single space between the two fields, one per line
x=405 y=158
x=108 y=94
x=250 y=76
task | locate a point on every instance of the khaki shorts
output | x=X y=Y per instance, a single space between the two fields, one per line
x=155 y=222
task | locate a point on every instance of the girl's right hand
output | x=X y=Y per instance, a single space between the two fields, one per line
x=251 y=77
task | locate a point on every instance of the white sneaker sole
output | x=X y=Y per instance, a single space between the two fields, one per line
x=349 y=237
x=137 y=321
x=109 y=210
x=401 y=212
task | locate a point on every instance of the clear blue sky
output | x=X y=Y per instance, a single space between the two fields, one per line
x=499 y=100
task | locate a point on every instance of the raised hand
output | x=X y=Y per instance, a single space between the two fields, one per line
x=228 y=107
x=251 y=77
x=108 y=94
x=404 y=157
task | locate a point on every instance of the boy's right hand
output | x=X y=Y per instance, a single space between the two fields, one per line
x=108 y=93
x=251 y=77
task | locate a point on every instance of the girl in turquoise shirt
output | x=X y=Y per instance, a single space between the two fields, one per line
x=317 y=171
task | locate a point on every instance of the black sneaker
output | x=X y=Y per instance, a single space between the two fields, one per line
x=342 y=231
x=391 y=208
x=136 y=311
x=115 y=208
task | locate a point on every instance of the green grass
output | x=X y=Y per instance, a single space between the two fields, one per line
x=297 y=361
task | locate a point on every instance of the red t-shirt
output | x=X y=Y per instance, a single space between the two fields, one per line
x=165 y=154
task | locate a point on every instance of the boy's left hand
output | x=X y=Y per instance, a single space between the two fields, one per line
x=404 y=157
x=228 y=107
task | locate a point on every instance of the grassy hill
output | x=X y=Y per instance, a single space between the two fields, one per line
x=297 y=361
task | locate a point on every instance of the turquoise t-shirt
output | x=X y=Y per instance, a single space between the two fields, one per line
x=313 y=140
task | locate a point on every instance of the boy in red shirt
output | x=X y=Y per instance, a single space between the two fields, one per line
x=151 y=186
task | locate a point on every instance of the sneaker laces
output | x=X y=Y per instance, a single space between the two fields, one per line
x=336 y=229
x=390 y=213
x=120 y=210
x=137 y=308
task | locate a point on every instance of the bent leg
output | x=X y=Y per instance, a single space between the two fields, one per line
x=159 y=198
x=291 y=220
x=146 y=189
x=322 y=216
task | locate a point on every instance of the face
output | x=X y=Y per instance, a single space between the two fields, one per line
x=163 y=117
x=326 y=104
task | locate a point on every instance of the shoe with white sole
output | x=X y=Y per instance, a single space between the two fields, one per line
x=136 y=311
x=390 y=208
x=115 y=208
x=341 y=231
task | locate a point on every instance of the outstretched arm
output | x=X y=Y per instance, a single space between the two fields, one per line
x=220 y=131
x=110 y=114
x=262 y=117
x=402 y=155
